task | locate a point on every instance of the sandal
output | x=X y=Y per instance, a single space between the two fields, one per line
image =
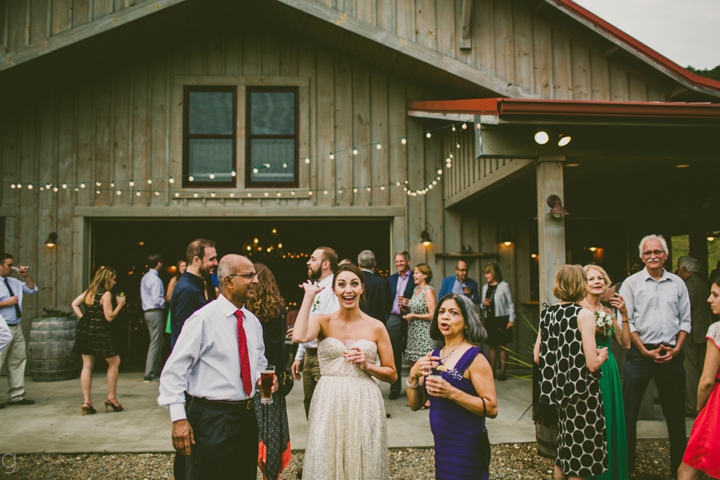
x=87 y=408
x=116 y=408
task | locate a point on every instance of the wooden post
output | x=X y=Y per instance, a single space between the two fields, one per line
x=551 y=231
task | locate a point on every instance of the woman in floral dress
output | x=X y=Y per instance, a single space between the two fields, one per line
x=421 y=309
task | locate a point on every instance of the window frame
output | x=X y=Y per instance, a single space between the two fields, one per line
x=187 y=136
x=249 y=182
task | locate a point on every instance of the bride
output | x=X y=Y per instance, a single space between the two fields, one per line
x=347 y=435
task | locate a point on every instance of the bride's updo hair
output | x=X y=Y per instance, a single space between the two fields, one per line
x=349 y=267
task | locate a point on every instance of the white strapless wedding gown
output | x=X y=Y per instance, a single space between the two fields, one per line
x=347 y=433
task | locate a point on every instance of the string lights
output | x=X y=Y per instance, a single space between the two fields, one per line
x=353 y=151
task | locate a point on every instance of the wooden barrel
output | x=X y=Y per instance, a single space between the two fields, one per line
x=51 y=341
x=547 y=440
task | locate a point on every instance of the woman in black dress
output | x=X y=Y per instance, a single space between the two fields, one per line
x=274 y=431
x=93 y=338
x=570 y=364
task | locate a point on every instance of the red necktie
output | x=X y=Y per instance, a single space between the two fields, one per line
x=244 y=358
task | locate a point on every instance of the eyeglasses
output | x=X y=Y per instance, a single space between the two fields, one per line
x=247 y=276
x=657 y=253
x=461 y=269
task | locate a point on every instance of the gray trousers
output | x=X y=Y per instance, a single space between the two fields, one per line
x=394 y=326
x=16 y=357
x=694 y=361
x=155 y=320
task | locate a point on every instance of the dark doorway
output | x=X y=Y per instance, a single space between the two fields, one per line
x=282 y=245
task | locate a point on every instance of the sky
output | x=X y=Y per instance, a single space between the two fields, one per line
x=685 y=31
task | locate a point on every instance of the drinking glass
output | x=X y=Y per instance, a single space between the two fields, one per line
x=266 y=383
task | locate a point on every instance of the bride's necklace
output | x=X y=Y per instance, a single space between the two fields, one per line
x=349 y=328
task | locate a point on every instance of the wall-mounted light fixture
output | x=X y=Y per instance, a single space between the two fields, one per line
x=564 y=140
x=506 y=239
x=711 y=236
x=51 y=240
x=593 y=249
x=534 y=256
x=425 y=238
x=556 y=207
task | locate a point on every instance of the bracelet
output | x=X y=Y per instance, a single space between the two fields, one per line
x=414 y=387
x=626 y=321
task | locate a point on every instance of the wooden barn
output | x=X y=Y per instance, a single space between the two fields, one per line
x=129 y=127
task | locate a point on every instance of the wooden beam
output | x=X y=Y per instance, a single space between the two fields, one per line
x=409 y=48
x=508 y=172
x=82 y=32
x=181 y=211
x=551 y=231
x=466 y=32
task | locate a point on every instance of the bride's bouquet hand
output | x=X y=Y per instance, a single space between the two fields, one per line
x=357 y=356
x=311 y=288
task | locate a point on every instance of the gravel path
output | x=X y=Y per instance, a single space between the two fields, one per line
x=518 y=461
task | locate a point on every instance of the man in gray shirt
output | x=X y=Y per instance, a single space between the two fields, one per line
x=701 y=318
x=658 y=308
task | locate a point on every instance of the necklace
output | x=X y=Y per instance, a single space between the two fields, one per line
x=591 y=307
x=445 y=357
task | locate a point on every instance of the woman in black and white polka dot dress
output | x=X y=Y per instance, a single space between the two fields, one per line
x=570 y=367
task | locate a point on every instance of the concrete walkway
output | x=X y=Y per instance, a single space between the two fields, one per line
x=54 y=423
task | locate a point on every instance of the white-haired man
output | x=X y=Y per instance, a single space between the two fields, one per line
x=658 y=308
x=701 y=318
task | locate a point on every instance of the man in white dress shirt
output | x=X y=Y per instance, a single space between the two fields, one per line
x=321 y=267
x=216 y=363
x=152 y=294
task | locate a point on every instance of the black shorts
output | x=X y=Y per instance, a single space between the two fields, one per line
x=498 y=334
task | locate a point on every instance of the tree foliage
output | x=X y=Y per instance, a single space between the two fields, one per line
x=713 y=73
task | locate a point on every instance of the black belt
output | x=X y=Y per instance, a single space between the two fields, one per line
x=311 y=351
x=154 y=310
x=225 y=404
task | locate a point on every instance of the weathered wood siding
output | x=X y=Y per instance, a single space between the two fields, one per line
x=512 y=43
x=120 y=125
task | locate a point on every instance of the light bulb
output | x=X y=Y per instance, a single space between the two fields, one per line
x=541 y=138
x=453 y=128
x=172 y=180
x=403 y=141
x=378 y=146
x=255 y=170
x=149 y=181
x=191 y=178
x=564 y=140
x=137 y=194
x=82 y=185
x=368 y=189
x=354 y=151
x=157 y=194
x=332 y=156
x=307 y=159
x=212 y=194
x=464 y=126
x=64 y=186
x=97 y=184
x=195 y=195
x=55 y=189
x=428 y=134
x=177 y=195
x=233 y=174
x=212 y=176
x=132 y=184
x=118 y=192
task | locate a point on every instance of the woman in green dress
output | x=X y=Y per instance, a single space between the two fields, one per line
x=610 y=323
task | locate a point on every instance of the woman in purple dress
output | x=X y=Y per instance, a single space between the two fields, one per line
x=459 y=382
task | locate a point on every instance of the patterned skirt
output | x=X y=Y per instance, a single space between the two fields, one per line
x=93 y=338
x=582 y=447
x=273 y=436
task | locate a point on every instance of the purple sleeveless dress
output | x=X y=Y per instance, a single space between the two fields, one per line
x=455 y=429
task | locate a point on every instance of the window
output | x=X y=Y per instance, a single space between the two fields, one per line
x=272 y=137
x=209 y=136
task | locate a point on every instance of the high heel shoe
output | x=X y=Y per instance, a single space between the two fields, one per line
x=116 y=408
x=89 y=409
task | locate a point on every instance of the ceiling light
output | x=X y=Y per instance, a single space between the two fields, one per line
x=541 y=138
x=564 y=140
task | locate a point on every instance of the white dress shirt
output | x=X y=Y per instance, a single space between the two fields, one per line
x=325 y=302
x=19 y=289
x=5 y=335
x=205 y=361
x=657 y=309
x=152 y=291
